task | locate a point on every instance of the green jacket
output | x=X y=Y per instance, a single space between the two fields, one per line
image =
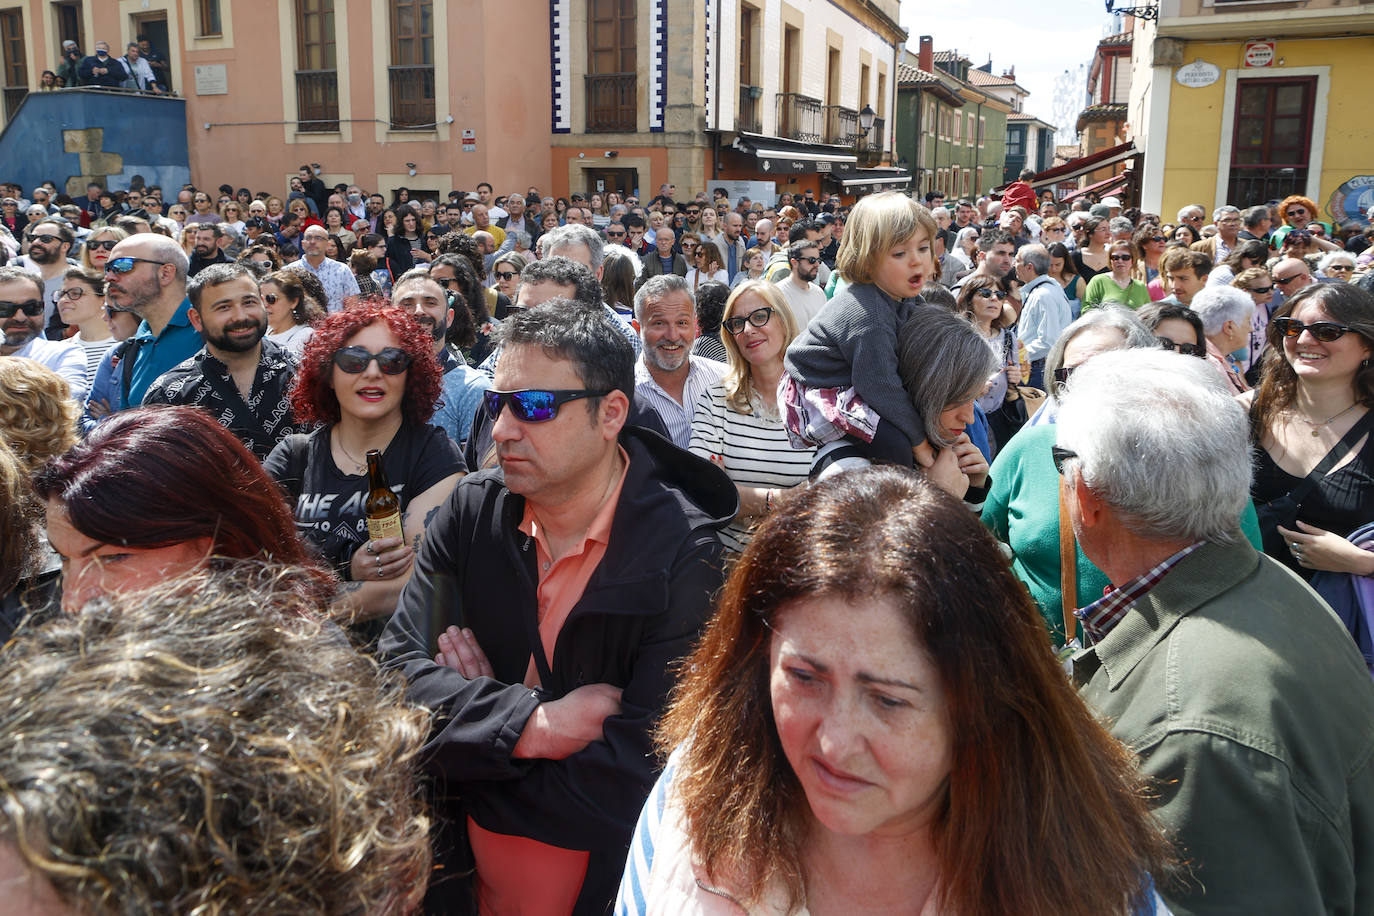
x=1253 y=712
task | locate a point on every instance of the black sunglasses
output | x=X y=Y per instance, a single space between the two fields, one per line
x=30 y=307
x=1261 y=290
x=1284 y=281
x=506 y=274
x=1060 y=455
x=102 y=245
x=533 y=405
x=391 y=360
x=1186 y=349
x=990 y=294
x=1325 y=331
x=758 y=318
x=1063 y=374
x=810 y=260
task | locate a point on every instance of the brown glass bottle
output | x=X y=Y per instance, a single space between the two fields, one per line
x=383 y=508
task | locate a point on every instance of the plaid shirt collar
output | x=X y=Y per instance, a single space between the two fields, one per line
x=1106 y=612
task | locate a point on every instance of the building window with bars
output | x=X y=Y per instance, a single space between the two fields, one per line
x=611 y=80
x=317 y=76
x=411 y=73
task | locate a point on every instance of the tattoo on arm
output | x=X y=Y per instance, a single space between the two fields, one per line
x=429 y=516
x=349 y=587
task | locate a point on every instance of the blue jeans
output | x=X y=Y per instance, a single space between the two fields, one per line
x=1037 y=376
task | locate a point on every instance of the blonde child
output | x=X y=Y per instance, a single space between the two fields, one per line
x=842 y=379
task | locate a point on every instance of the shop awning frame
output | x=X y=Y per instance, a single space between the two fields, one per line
x=1106 y=188
x=776 y=156
x=1077 y=168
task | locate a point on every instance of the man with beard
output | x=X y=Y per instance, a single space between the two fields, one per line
x=437 y=310
x=49 y=241
x=666 y=375
x=146 y=274
x=21 y=321
x=335 y=276
x=238 y=378
x=799 y=286
x=206 y=250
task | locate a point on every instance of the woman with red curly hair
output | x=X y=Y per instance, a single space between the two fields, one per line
x=369 y=378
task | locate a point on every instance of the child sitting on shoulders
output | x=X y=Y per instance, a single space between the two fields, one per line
x=842 y=380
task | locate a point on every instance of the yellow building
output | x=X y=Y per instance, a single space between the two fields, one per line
x=1242 y=103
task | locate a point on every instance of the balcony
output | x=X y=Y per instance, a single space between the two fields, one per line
x=13 y=96
x=749 y=116
x=800 y=117
x=871 y=147
x=841 y=125
x=412 y=97
x=317 y=101
x=612 y=103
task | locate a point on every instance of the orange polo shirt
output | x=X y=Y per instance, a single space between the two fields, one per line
x=518 y=875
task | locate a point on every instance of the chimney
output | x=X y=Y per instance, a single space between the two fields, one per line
x=1010 y=74
x=925 y=58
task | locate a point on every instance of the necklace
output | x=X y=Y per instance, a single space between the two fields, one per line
x=1318 y=427
x=358 y=466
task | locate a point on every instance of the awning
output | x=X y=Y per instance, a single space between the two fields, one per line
x=1077 y=168
x=863 y=181
x=1108 y=188
x=777 y=156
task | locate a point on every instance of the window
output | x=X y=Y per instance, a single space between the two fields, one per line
x=1016 y=143
x=208 y=17
x=982 y=129
x=882 y=95
x=16 y=79
x=958 y=131
x=412 y=65
x=69 y=24
x=317 y=79
x=1272 y=142
x=971 y=130
x=612 y=86
x=749 y=116
x=863 y=86
x=967 y=175
x=979 y=188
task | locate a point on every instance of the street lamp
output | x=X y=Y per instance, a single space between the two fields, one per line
x=1140 y=12
x=866 y=121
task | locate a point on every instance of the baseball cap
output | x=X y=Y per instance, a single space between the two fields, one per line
x=1111 y=202
x=1100 y=210
x=473 y=198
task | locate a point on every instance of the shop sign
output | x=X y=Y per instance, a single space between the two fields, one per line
x=1259 y=53
x=1352 y=201
x=1198 y=74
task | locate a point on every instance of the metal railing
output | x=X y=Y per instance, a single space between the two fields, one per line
x=874 y=141
x=1251 y=185
x=317 y=101
x=841 y=125
x=612 y=102
x=412 y=97
x=14 y=96
x=749 y=117
x=800 y=117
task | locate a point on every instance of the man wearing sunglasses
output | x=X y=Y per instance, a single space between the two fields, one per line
x=1291 y=275
x=146 y=274
x=49 y=241
x=548 y=604
x=798 y=285
x=238 y=378
x=21 y=324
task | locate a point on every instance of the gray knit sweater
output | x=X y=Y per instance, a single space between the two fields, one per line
x=853 y=343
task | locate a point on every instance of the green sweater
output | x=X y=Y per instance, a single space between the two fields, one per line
x=1022 y=509
x=1102 y=290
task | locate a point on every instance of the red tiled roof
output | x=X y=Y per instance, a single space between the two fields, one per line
x=1115 y=111
x=983 y=78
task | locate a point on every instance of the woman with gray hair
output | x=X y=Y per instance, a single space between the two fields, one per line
x=1337 y=265
x=1226 y=313
x=1022 y=507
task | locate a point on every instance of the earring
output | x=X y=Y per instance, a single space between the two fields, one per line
x=1365 y=364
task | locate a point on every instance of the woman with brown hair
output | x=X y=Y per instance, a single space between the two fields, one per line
x=838 y=737
x=707 y=266
x=291 y=313
x=1119 y=287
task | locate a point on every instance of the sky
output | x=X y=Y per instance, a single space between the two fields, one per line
x=1040 y=47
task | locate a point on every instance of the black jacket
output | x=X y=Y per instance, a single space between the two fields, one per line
x=642 y=609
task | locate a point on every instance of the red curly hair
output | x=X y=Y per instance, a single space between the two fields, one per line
x=312 y=397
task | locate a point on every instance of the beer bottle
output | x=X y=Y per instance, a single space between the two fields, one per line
x=383 y=508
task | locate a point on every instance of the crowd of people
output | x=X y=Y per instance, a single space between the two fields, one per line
x=520 y=554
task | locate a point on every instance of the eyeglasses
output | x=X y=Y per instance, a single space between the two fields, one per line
x=74 y=293
x=1343 y=268
x=810 y=260
x=1159 y=238
x=30 y=307
x=265 y=265
x=45 y=239
x=354 y=360
x=102 y=245
x=1284 y=281
x=1261 y=290
x=990 y=294
x=445 y=282
x=1186 y=349
x=1296 y=211
x=113 y=310
x=1060 y=455
x=1063 y=374
x=125 y=264
x=1119 y=257
x=506 y=275
x=1325 y=331
x=533 y=405
x=271 y=299
x=758 y=318
x=615 y=235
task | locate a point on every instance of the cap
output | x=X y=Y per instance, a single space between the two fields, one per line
x=1112 y=202
x=473 y=198
x=825 y=219
x=1100 y=210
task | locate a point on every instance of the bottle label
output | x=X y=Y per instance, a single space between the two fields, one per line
x=388 y=527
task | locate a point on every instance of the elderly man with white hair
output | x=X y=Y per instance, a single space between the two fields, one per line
x=1226 y=313
x=585 y=246
x=1250 y=707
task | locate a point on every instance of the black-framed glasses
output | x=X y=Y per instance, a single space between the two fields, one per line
x=102 y=245
x=810 y=260
x=1186 y=349
x=1261 y=290
x=1341 y=267
x=758 y=318
x=354 y=360
x=990 y=294
x=270 y=298
x=1284 y=281
x=112 y=310
x=1060 y=455
x=446 y=283
x=1325 y=331
x=125 y=264
x=506 y=275
x=74 y=293
x=31 y=307
x=1118 y=257
x=1159 y=238
x=535 y=405
x=45 y=239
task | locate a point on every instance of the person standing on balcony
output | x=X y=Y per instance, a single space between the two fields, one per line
x=141 y=75
x=100 y=69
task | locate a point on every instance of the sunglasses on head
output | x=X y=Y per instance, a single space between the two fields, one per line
x=1325 y=331
x=1186 y=349
x=354 y=360
x=30 y=307
x=102 y=245
x=125 y=264
x=533 y=405
x=758 y=318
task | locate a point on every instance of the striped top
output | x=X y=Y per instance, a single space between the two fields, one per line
x=753 y=447
x=95 y=352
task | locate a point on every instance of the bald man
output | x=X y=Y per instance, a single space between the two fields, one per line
x=338 y=281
